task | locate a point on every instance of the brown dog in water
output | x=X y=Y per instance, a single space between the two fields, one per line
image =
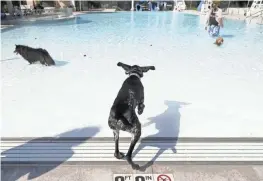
x=219 y=41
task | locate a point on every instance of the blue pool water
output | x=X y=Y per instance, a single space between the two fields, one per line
x=142 y=36
x=223 y=84
x=140 y=33
x=165 y=30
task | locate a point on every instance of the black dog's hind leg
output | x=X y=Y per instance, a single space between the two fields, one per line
x=42 y=61
x=117 y=153
x=121 y=124
x=135 y=137
x=117 y=124
x=136 y=134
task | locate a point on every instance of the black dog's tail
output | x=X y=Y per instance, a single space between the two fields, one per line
x=48 y=59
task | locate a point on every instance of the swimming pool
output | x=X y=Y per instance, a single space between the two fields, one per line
x=213 y=91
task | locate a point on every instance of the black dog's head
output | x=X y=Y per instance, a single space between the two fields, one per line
x=135 y=69
x=18 y=49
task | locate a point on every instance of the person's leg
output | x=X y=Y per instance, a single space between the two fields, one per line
x=216 y=31
x=210 y=30
x=213 y=30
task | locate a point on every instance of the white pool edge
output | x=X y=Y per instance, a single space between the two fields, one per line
x=68 y=151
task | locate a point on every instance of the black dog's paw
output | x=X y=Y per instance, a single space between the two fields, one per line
x=142 y=169
x=135 y=167
x=140 y=111
x=141 y=108
x=119 y=155
x=147 y=165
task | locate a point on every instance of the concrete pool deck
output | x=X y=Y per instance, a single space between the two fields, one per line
x=13 y=23
x=106 y=172
x=95 y=11
x=258 y=20
x=234 y=17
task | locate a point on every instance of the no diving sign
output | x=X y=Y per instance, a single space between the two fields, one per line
x=164 y=177
x=143 y=177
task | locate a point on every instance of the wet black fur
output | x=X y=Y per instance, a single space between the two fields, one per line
x=33 y=55
x=122 y=114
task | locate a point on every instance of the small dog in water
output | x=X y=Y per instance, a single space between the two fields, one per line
x=122 y=114
x=219 y=41
x=33 y=55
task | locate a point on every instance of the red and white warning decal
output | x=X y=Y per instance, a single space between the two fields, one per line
x=163 y=177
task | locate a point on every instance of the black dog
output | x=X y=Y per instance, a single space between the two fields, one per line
x=122 y=114
x=33 y=55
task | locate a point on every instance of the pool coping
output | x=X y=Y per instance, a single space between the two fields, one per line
x=19 y=22
x=15 y=23
x=143 y=139
x=6 y=27
x=233 y=17
x=95 y=11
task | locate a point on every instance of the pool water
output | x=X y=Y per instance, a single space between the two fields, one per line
x=139 y=36
x=222 y=84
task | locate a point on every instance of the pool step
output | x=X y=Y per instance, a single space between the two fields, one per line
x=167 y=150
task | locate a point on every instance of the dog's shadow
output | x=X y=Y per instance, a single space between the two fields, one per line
x=168 y=126
x=9 y=59
x=33 y=172
x=60 y=63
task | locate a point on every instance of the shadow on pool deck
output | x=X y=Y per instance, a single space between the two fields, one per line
x=85 y=133
x=8 y=59
x=60 y=63
x=167 y=123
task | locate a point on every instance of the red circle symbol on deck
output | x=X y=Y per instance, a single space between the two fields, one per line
x=163 y=178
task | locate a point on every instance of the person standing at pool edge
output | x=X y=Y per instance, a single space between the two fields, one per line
x=214 y=20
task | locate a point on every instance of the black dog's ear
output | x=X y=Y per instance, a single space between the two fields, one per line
x=147 y=68
x=124 y=66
